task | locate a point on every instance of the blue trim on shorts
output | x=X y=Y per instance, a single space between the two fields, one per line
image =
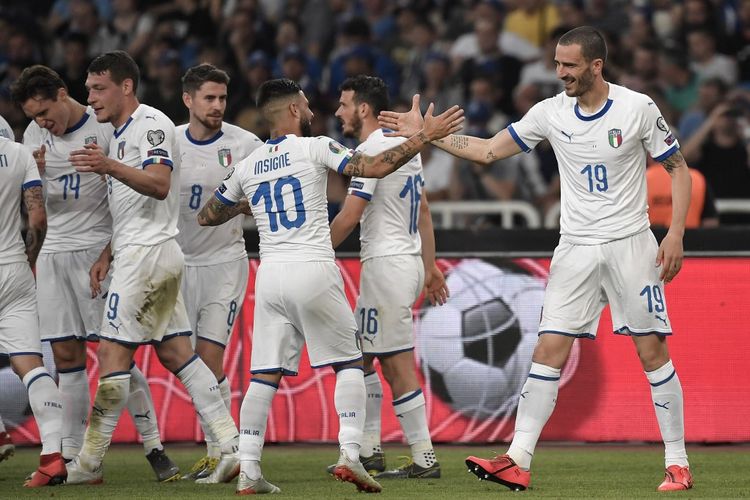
x=657 y=384
x=193 y=358
x=388 y=353
x=336 y=364
x=264 y=382
x=568 y=334
x=72 y=370
x=626 y=331
x=223 y=346
x=543 y=377
x=407 y=398
x=371 y=373
x=114 y=374
x=132 y=345
x=10 y=355
x=132 y=364
x=40 y=375
x=284 y=371
x=186 y=333
x=64 y=339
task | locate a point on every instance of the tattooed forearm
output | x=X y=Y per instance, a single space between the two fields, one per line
x=215 y=213
x=491 y=156
x=34 y=240
x=388 y=161
x=459 y=141
x=33 y=198
x=675 y=160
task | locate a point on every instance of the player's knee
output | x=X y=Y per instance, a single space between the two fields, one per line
x=653 y=355
x=552 y=350
x=69 y=354
x=114 y=357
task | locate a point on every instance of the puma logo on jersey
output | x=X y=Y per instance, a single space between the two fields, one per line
x=569 y=136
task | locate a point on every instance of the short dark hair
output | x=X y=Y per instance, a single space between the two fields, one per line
x=37 y=81
x=370 y=90
x=593 y=45
x=198 y=75
x=120 y=66
x=273 y=90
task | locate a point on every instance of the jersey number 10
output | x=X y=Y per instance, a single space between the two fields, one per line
x=412 y=189
x=264 y=192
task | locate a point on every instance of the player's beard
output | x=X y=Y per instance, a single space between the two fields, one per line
x=305 y=127
x=584 y=83
x=356 y=127
x=211 y=122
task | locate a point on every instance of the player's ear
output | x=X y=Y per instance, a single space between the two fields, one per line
x=62 y=93
x=294 y=109
x=127 y=86
x=187 y=99
x=364 y=109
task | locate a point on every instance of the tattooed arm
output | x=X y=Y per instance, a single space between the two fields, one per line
x=433 y=127
x=670 y=250
x=475 y=149
x=483 y=151
x=34 y=202
x=215 y=213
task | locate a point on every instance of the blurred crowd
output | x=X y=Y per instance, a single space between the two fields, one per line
x=493 y=57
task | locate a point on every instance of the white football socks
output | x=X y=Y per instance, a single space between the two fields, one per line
x=535 y=406
x=410 y=410
x=111 y=397
x=372 y=429
x=46 y=404
x=73 y=384
x=202 y=386
x=253 y=420
x=213 y=450
x=349 y=398
x=666 y=393
x=141 y=409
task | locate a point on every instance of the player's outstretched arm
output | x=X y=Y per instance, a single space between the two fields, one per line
x=33 y=199
x=483 y=151
x=670 y=251
x=433 y=127
x=153 y=180
x=435 y=288
x=347 y=219
x=215 y=212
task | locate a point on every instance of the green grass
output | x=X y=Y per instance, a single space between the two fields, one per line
x=573 y=471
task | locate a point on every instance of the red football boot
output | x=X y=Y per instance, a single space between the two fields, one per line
x=51 y=471
x=676 y=478
x=500 y=469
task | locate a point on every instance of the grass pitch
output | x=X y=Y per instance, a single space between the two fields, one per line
x=574 y=471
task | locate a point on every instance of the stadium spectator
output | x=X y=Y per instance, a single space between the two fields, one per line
x=643 y=72
x=718 y=150
x=702 y=211
x=542 y=72
x=679 y=81
x=533 y=20
x=706 y=62
x=165 y=93
x=437 y=85
x=294 y=66
x=75 y=61
x=438 y=172
x=710 y=93
x=417 y=39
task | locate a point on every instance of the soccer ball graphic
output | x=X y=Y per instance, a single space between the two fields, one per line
x=476 y=350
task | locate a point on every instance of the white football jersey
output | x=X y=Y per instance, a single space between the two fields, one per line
x=601 y=159
x=6 y=130
x=389 y=224
x=17 y=172
x=203 y=166
x=147 y=137
x=77 y=213
x=285 y=182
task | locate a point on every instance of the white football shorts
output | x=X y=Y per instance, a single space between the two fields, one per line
x=623 y=273
x=213 y=298
x=388 y=288
x=66 y=309
x=144 y=304
x=299 y=303
x=19 y=323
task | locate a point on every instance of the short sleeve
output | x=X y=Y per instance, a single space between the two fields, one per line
x=230 y=191
x=331 y=153
x=532 y=128
x=32 y=137
x=157 y=142
x=31 y=173
x=656 y=135
x=363 y=187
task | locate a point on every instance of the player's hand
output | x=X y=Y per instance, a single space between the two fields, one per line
x=449 y=122
x=402 y=124
x=90 y=159
x=670 y=257
x=97 y=274
x=435 y=288
x=41 y=161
